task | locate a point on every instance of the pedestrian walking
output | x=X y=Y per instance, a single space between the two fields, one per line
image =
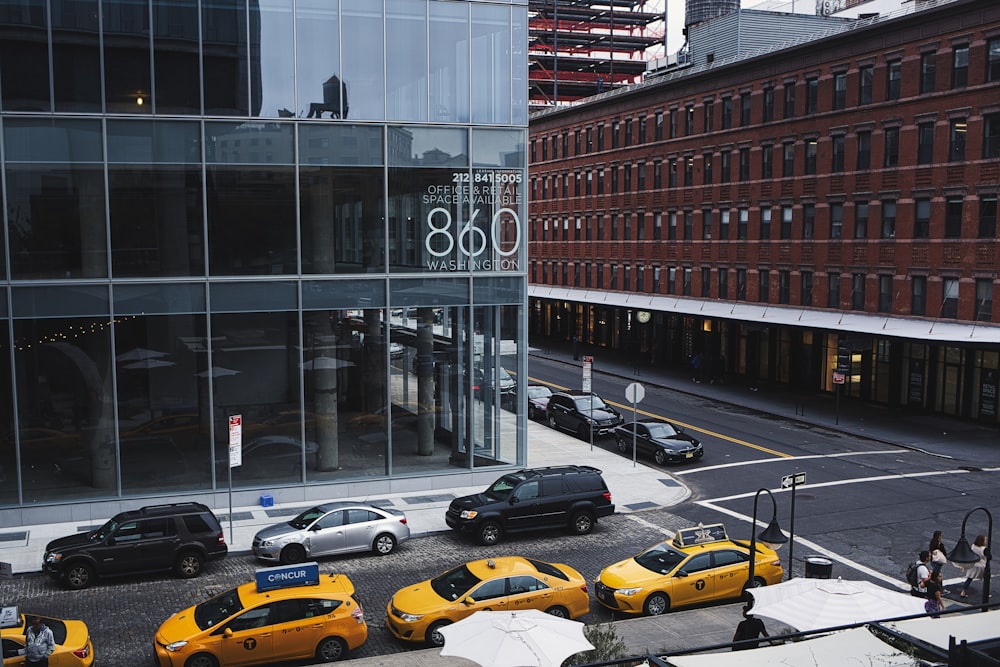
x=921 y=572
x=938 y=552
x=749 y=628
x=977 y=569
x=38 y=643
x=935 y=601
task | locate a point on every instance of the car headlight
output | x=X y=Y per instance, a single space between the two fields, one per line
x=173 y=647
x=409 y=618
x=266 y=543
x=628 y=591
x=53 y=557
x=469 y=514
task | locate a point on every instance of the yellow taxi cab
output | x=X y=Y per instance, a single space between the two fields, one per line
x=286 y=613
x=72 y=640
x=699 y=565
x=417 y=613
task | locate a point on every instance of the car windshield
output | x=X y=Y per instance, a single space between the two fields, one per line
x=660 y=559
x=661 y=430
x=105 y=530
x=305 y=519
x=585 y=403
x=214 y=611
x=539 y=391
x=454 y=584
x=502 y=488
x=503 y=374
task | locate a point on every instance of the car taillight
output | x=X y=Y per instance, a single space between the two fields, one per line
x=402 y=520
x=358 y=614
x=607 y=496
x=82 y=652
x=583 y=587
x=222 y=537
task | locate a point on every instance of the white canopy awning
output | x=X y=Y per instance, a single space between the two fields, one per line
x=852 y=647
x=973 y=626
x=762 y=314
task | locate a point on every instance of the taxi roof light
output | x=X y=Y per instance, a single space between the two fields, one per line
x=700 y=534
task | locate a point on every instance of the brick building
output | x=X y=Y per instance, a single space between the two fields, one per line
x=814 y=213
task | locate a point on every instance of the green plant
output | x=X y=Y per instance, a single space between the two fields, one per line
x=607 y=646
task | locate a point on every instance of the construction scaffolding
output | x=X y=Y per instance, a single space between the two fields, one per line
x=579 y=48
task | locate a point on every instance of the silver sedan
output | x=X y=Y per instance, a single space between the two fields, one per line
x=332 y=528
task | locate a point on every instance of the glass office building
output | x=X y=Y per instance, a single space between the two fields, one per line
x=302 y=216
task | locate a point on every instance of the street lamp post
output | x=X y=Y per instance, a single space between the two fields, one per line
x=771 y=537
x=963 y=553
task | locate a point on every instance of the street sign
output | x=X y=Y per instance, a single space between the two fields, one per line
x=235 y=441
x=588 y=364
x=798 y=479
x=839 y=378
x=635 y=392
x=10 y=618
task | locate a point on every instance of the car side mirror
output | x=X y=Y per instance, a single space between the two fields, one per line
x=468 y=601
x=315 y=527
x=681 y=573
x=228 y=632
x=513 y=500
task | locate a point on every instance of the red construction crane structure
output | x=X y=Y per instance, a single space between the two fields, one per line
x=578 y=48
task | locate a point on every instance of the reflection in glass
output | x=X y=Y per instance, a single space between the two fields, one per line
x=406 y=61
x=127 y=68
x=175 y=56
x=8 y=445
x=227 y=74
x=448 y=54
x=363 y=61
x=426 y=215
x=276 y=96
x=76 y=55
x=318 y=58
x=491 y=63
x=24 y=56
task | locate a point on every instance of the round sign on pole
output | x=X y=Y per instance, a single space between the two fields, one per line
x=635 y=392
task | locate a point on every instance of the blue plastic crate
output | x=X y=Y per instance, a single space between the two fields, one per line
x=267 y=500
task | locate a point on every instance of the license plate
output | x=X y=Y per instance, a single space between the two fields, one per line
x=689 y=455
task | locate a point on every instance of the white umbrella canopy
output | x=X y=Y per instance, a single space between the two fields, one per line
x=526 y=638
x=217 y=371
x=816 y=604
x=146 y=364
x=140 y=354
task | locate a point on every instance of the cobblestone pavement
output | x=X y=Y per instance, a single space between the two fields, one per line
x=123 y=614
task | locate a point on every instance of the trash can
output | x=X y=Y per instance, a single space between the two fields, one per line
x=818 y=567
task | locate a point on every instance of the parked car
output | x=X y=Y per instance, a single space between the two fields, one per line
x=179 y=536
x=538 y=401
x=418 y=612
x=505 y=382
x=581 y=413
x=698 y=565
x=308 y=616
x=72 y=640
x=332 y=528
x=567 y=496
x=658 y=438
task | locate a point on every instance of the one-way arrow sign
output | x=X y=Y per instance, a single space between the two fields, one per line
x=798 y=479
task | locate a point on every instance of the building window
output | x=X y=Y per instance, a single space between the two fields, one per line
x=925 y=143
x=960 y=67
x=600 y=181
x=706 y=224
x=640 y=174
x=576 y=143
x=765 y=224
x=627 y=229
x=745 y=109
x=706 y=282
x=672 y=173
x=861 y=220
x=688 y=225
x=864 y=150
x=725 y=166
x=614 y=179
x=788 y=159
x=991 y=135
x=706 y=165
x=806 y=289
x=858 y=291
x=627 y=278
x=614 y=277
x=565 y=144
x=727 y=113
x=577 y=184
x=790 y=100
x=586 y=274
x=657 y=175
x=673 y=123
x=836 y=220
x=741 y=284
x=768 y=104
x=984 y=299
x=745 y=164
x=784 y=287
x=866 y=77
x=627 y=178
x=657 y=226
x=688 y=120
x=658 y=126
x=686 y=288
x=564 y=274
x=723 y=282
x=590 y=183
x=689 y=170
x=891 y=147
x=889 y=218
x=811 y=147
x=589 y=139
x=545 y=150
x=615 y=129
x=708 y=116
x=894 y=79
x=742 y=224
x=600 y=137
x=918 y=295
x=953 y=218
x=656 y=280
x=885 y=294
x=837 y=152
x=808 y=221
x=993 y=59
x=589 y=225
x=812 y=96
x=533 y=151
x=628 y=132
x=642 y=130
x=724 y=223
x=956 y=139
x=766 y=161
x=949 y=298
x=600 y=276
x=672 y=226
x=840 y=90
x=764 y=286
x=988 y=217
x=833 y=291
x=921 y=218
x=928 y=67
x=576 y=274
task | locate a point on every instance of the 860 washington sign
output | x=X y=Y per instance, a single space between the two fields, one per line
x=490 y=239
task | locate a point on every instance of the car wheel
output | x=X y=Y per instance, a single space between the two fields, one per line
x=531 y=411
x=582 y=523
x=384 y=544
x=434 y=636
x=293 y=553
x=331 y=649
x=757 y=583
x=656 y=604
x=188 y=565
x=79 y=575
x=202 y=660
x=622 y=445
x=583 y=432
x=558 y=612
x=552 y=422
x=660 y=457
x=490 y=533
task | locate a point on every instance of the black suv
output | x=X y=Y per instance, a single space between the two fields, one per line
x=582 y=413
x=554 y=497
x=179 y=536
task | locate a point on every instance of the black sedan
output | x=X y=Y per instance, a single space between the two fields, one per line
x=664 y=441
x=538 y=401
